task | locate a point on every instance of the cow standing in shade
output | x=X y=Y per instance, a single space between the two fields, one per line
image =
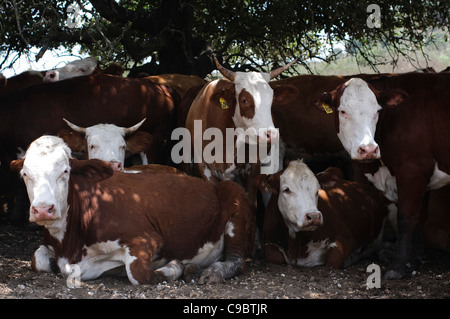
x=320 y=220
x=150 y=225
x=401 y=122
x=242 y=100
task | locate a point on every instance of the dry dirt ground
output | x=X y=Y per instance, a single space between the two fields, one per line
x=261 y=281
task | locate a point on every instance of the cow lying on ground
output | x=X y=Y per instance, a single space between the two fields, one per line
x=312 y=221
x=101 y=220
x=107 y=142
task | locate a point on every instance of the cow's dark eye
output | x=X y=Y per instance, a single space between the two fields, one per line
x=244 y=101
x=286 y=190
x=92 y=147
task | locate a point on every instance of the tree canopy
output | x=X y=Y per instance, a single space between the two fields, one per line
x=181 y=36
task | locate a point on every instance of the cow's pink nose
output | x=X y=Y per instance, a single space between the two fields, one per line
x=43 y=212
x=313 y=219
x=116 y=166
x=50 y=76
x=368 y=151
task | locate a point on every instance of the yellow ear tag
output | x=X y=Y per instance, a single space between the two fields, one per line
x=223 y=103
x=327 y=108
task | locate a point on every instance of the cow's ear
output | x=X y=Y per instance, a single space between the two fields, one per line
x=329 y=178
x=94 y=170
x=224 y=95
x=325 y=102
x=284 y=94
x=75 y=140
x=139 y=142
x=17 y=165
x=391 y=98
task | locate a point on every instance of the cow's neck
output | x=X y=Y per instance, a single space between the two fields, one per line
x=69 y=233
x=58 y=228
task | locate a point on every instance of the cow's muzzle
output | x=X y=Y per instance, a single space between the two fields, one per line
x=43 y=212
x=116 y=166
x=368 y=152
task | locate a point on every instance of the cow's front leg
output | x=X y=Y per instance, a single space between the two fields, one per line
x=412 y=203
x=222 y=270
x=138 y=259
x=171 y=271
x=44 y=259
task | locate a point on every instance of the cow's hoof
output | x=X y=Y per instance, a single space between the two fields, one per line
x=211 y=276
x=191 y=271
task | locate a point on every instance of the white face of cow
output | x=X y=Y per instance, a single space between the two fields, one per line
x=107 y=142
x=298 y=198
x=254 y=101
x=46 y=172
x=358 y=117
x=72 y=69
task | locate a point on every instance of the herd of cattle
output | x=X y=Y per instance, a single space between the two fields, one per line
x=359 y=154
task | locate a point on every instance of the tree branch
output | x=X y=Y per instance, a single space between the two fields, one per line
x=151 y=23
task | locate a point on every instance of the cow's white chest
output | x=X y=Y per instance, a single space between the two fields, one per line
x=98 y=259
x=438 y=179
x=385 y=182
x=316 y=253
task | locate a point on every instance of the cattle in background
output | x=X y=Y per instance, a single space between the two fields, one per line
x=72 y=69
x=107 y=142
x=320 y=220
x=29 y=113
x=402 y=121
x=179 y=82
x=83 y=67
x=241 y=100
x=150 y=225
x=20 y=81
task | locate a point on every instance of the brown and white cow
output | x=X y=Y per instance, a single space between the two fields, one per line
x=401 y=120
x=83 y=67
x=150 y=225
x=107 y=142
x=320 y=220
x=72 y=69
x=242 y=100
x=86 y=100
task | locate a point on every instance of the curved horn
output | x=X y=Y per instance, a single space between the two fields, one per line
x=76 y=128
x=281 y=69
x=230 y=75
x=134 y=128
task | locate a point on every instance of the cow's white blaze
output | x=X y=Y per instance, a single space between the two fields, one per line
x=358 y=117
x=298 y=197
x=261 y=124
x=46 y=172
